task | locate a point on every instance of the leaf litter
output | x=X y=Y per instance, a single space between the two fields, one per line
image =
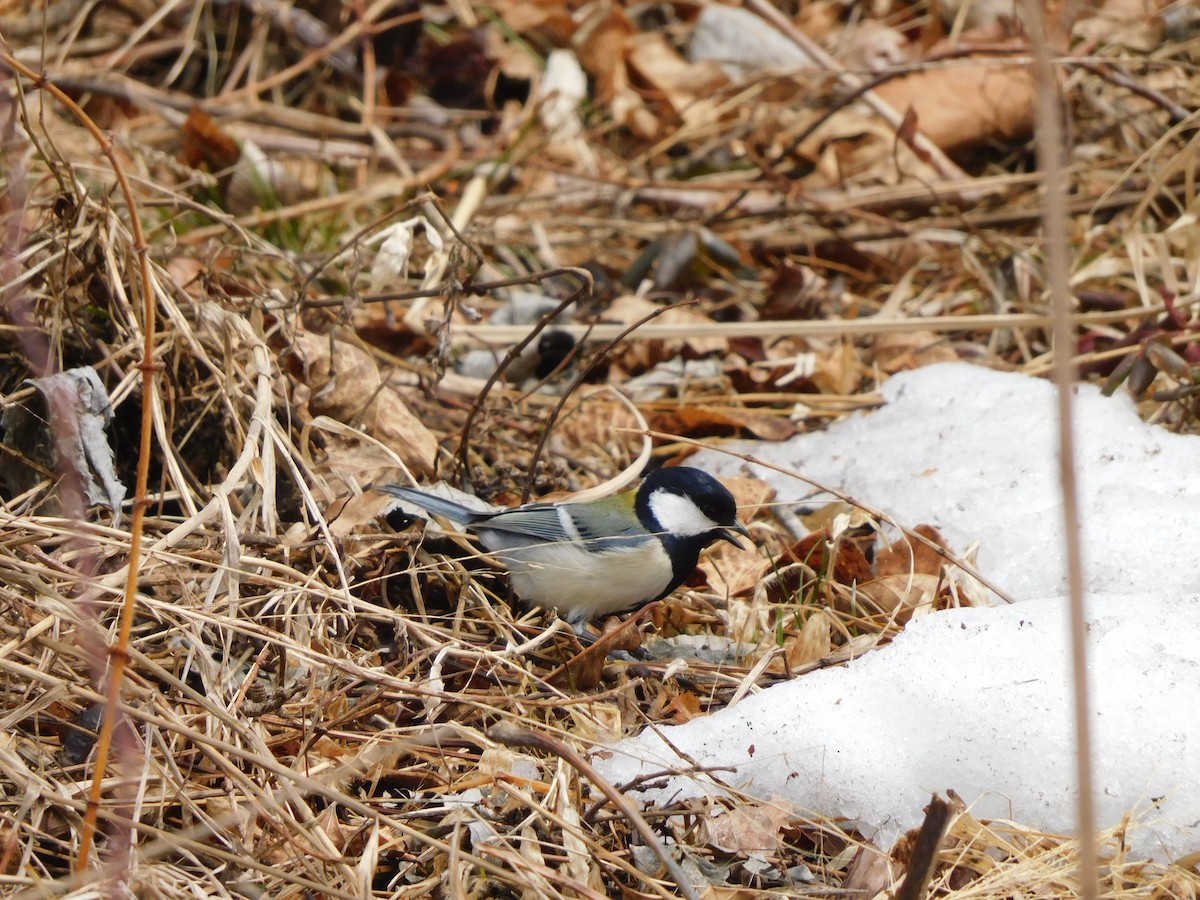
x=340 y=203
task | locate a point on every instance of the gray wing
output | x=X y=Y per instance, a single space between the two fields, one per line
x=606 y=525
x=538 y=521
x=602 y=525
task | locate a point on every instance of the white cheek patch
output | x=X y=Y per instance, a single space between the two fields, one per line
x=677 y=514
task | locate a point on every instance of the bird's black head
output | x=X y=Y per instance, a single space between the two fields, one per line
x=688 y=509
x=688 y=501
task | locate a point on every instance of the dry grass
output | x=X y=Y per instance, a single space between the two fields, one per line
x=311 y=701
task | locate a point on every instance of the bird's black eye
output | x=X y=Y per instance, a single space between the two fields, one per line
x=717 y=511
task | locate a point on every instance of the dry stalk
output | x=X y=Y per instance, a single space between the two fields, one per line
x=1050 y=143
x=824 y=328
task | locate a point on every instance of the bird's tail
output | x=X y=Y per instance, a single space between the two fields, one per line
x=439 y=506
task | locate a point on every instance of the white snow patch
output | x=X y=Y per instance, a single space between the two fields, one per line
x=979 y=700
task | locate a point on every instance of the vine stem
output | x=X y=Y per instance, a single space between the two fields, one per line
x=119 y=653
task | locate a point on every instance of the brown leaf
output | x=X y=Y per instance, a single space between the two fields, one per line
x=187 y=273
x=907 y=555
x=898 y=596
x=811 y=643
x=357 y=515
x=840 y=370
x=872 y=47
x=596 y=421
x=794 y=292
x=683 y=708
x=911 y=350
x=752 y=495
x=870 y=872
x=907 y=131
x=709 y=421
x=203 y=141
x=962 y=107
x=351 y=391
x=640 y=355
x=909 y=575
x=842 y=561
x=791 y=575
x=729 y=570
x=685 y=88
x=601 y=43
x=746 y=828
x=585 y=670
x=548 y=17
x=1130 y=23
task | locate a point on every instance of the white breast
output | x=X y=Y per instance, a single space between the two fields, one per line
x=582 y=585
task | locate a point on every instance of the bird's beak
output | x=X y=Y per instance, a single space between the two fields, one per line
x=727 y=534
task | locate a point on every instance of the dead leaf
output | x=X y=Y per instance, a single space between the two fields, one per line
x=187 y=273
x=909 y=576
x=746 y=828
x=872 y=47
x=548 y=17
x=708 y=421
x=670 y=702
x=685 y=88
x=1128 y=23
x=592 y=421
x=248 y=176
x=601 y=43
x=899 y=596
x=752 y=495
x=840 y=370
x=205 y=142
x=965 y=106
x=852 y=146
x=729 y=570
x=911 y=350
x=813 y=641
x=62 y=430
x=585 y=670
x=902 y=578
x=870 y=872
x=358 y=515
x=681 y=613
x=907 y=555
x=841 y=561
x=794 y=292
x=391 y=423
x=683 y=708
x=351 y=391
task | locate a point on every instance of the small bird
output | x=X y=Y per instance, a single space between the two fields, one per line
x=592 y=559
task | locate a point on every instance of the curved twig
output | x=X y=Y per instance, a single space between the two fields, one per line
x=512 y=736
x=583 y=290
x=602 y=354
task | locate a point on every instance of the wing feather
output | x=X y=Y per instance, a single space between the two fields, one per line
x=537 y=521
